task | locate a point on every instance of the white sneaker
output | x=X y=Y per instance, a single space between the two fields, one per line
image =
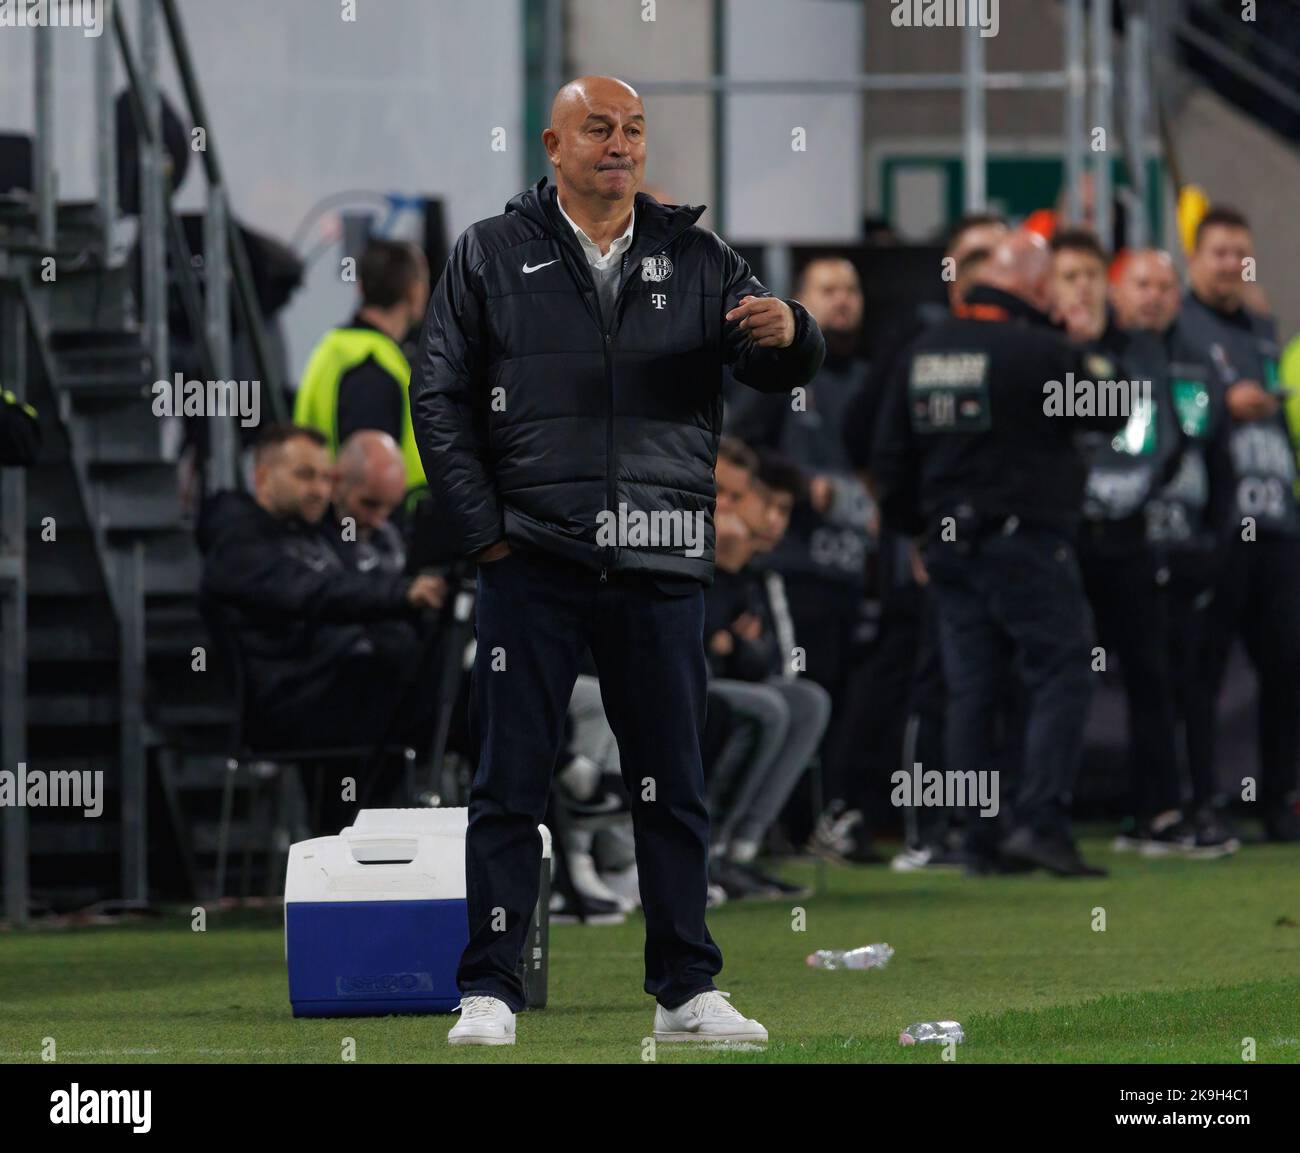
x=590 y=884
x=483 y=1020
x=707 y=1016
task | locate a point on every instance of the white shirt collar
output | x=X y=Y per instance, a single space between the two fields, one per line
x=592 y=249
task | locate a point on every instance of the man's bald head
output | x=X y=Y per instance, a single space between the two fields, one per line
x=371 y=479
x=596 y=141
x=579 y=96
x=1146 y=295
x=1021 y=264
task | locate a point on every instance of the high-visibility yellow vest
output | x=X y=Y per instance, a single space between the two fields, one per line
x=342 y=350
x=1289 y=377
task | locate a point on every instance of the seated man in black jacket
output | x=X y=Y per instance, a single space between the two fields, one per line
x=753 y=662
x=368 y=490
x=321 y=671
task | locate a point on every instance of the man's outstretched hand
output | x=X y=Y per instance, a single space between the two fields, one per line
x=768 y=320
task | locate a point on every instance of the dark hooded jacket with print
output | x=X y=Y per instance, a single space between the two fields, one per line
x=542 y=421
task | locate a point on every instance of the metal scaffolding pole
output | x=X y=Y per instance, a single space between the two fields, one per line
x=863 y=82
x=1075 y=91
x=153 y=207
x=974 y=140
x=128 y=562
x=13 y=604
x=224 y=443
x=1135 y=106
x=1103 y=109
x=43 y=161
x=105 y=134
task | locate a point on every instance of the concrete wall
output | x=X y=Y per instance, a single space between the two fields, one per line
x=304 y=104
x=1239 y=163
x=772 y=191
x=612 y=39
x=1029 y=38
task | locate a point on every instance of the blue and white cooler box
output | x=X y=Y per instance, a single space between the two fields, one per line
x=375 y=920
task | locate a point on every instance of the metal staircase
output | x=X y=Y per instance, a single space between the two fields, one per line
x=101 y=631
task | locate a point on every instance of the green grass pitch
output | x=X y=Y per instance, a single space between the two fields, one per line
x=1195 y=958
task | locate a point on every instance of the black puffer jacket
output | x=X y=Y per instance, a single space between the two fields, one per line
x=535 y=414
x=298 y=608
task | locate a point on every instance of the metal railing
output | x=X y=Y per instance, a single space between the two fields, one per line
x=973 y=81
x=206 y=307
x=226 y=261
x=227 y=264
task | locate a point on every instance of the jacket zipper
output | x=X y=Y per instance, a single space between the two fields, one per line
x=610 y=554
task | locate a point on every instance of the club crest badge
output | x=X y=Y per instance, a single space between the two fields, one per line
x=656 y=268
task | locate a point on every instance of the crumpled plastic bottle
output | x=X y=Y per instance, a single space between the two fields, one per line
x=939 y=1031
x=867 y=957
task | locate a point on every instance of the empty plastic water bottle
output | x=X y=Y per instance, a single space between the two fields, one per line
x=867 y=957
x=932 y=1031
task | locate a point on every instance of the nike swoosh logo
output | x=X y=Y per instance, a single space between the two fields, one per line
x=535 y=267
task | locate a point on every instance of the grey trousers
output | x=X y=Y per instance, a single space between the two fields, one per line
x=788 y=718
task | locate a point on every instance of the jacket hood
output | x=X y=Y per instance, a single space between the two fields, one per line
x=656 y=223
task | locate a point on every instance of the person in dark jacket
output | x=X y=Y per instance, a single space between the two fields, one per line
x=756 y=660
x=1190 y=525
x=20 y=431
x=896 y=701
x=823 y=558
x=323 y=664
x=1257 y=594
x=567 y=403
x=976 y=452
x=369 y=487
x=1125 y=578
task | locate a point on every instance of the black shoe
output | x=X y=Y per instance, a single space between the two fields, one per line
x=785 y=888
x=1282 y=825
x=1174 y=838
x=738 y=884
x=1213 y=837
x=1058 y=854
x=860 y=850
x=991 y=865
x=568 y=906
x=576 y=908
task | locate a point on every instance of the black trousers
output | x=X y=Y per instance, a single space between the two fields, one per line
x=1015 y=602
x=894 y=711
x=536 y=614
x=1258 y=598
x=1131 y=611
x=1194 y=681
x=386 y=687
